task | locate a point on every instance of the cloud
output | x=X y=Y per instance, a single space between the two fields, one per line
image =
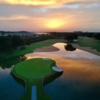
x=47 y=3
x=14 y=18
x=77 y=14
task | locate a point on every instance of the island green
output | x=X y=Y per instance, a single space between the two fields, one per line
x=33 y=72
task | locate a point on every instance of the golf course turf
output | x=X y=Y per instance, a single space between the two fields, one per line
x=30 y=48
x=89 y=42
x=33 y=72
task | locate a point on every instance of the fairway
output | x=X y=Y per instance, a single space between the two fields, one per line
x=31 y=48
x=89 y=42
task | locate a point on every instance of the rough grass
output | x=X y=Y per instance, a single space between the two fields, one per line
x=31 y=48
x=89 y=42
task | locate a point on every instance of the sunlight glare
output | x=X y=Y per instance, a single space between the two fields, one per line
x=30 y=2
x=54 y=23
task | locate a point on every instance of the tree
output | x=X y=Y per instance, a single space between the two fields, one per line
x=71 y=36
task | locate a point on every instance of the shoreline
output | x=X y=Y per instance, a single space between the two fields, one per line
x=52 y=48
x=88 y=49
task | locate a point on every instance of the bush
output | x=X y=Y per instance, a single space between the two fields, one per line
x=22 y=47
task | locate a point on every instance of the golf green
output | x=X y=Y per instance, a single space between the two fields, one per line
x=33 y=72
x=34 y=68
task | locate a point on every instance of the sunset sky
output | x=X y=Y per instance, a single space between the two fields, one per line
x=50 y=15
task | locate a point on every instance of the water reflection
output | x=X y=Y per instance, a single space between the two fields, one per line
x=80 y=79
x=51 y=79
x=77 y=54
x=9 y=62
x=12 y=88
x=81 y=74
x=9 y=88
x=69 y=47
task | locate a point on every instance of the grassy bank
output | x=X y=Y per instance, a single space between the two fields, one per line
x=89 y=42
x=30 y=48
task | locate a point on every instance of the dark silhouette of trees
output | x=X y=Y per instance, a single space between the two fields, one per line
x=5 y=43
x=17 y=41
x=97 y=36
x=70 y=37
x=9 y=62
x=69 y=47
x=12 y=42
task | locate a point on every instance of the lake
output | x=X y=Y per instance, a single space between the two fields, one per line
x=80 y=79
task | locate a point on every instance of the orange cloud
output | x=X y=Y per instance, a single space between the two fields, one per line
x=14 y=18
x=31 y=2
x=45 y=2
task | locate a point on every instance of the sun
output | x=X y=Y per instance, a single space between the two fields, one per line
x=54 y=23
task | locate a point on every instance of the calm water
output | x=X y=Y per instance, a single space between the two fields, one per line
x=79 y=81
x=9 y=88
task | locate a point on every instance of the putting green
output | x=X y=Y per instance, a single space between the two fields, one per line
x=34 y=68
x=33 y=72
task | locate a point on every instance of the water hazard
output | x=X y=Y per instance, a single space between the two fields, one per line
x=80 y=79
x=81 y=74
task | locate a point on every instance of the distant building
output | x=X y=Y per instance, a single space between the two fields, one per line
x=20 y=33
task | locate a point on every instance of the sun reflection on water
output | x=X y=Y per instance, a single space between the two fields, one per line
x=81 y=74
x=78 y=69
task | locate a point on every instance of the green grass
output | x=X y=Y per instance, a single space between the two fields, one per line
x=89 y=42
x=33 y=72
x=33 y=68
x=31 y=48
x=37 y=71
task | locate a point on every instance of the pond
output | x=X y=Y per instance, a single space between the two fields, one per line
x=80 y=79
x=77 y=54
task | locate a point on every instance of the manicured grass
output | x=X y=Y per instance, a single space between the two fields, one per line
x=33 y=72
x=33 y=68
x=89 y=42
x=31 y=48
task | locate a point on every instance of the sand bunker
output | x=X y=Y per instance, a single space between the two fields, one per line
x=47 y=49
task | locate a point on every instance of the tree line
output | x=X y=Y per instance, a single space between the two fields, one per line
x=10 y=43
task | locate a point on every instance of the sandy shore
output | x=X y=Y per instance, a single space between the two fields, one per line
x=47 y=49
x=88 y=49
